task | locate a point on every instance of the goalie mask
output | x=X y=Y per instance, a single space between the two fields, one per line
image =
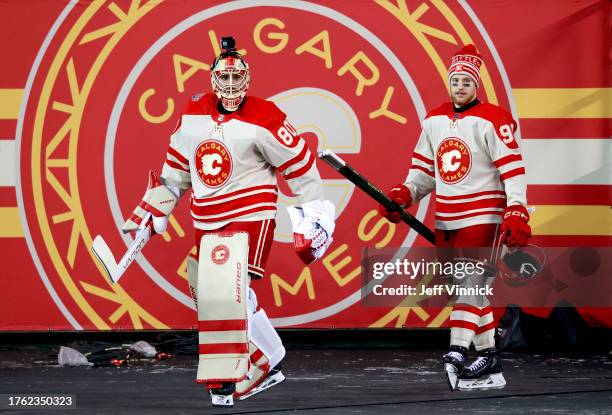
x=230 y=75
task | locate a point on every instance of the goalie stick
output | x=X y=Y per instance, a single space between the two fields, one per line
x=102 y=252
x=364 y=184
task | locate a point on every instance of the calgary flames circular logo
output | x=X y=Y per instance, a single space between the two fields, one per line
x=454 y=160
x=220 y=254
x=213 y=163
x=106 y=93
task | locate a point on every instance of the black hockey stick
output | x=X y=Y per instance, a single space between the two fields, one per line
x=374 y=192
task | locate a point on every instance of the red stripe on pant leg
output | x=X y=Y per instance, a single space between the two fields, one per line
x=222 y=325
x=468 y=308
x=220 y=348
x=463 y=325
x=486 y=327
x=257 y=258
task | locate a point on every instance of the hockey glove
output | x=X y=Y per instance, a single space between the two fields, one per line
x=515 y=229
x=157 y=200
x=400 y=195
x=313 y=225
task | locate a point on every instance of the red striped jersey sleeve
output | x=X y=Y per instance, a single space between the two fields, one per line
x=285 y=150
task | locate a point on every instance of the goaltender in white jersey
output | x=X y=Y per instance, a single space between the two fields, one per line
x=230 y=161
x=227 y=148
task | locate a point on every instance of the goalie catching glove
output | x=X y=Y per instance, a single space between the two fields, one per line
x=158 y=200
x=313 y=225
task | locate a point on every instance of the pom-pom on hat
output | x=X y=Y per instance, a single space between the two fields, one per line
x=466 y=62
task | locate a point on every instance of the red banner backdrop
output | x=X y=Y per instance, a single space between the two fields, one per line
x=91 y=91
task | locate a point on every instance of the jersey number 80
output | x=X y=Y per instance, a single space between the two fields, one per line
x=287 y=134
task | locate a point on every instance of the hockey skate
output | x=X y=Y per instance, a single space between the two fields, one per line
x=274 y=378
x=223 y=396
x=453 y=362
x=484 y=374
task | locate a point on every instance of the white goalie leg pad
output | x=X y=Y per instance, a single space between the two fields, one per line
x=222 y=289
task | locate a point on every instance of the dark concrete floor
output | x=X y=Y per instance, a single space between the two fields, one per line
x=320 y=381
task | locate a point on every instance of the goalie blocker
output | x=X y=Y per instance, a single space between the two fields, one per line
x=149 y=217
x=313 y=226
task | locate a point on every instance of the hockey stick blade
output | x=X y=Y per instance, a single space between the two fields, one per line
x=106 y=258
x=113 y=269
x=374 y=192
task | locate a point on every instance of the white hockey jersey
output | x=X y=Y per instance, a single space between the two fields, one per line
x=230 y=161
x=471 y=157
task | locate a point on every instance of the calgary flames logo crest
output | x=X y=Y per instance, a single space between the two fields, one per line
x=213 y=163
x=454 y=160
x=220 y=254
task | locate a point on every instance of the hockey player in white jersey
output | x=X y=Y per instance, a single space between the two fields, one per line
x=227 y=148
x=469 y=153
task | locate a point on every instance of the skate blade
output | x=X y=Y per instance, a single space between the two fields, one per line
x=451 y=376
x=494 y=381
x=270 y=381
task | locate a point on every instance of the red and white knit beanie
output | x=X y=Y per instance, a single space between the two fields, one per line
x=466 y=62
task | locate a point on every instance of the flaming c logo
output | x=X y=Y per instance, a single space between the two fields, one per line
x=220 y=254
x=213 y=163
x=454 y=160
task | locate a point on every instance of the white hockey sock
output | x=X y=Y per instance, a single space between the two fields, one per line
x=464 y=322
x=485 y=333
